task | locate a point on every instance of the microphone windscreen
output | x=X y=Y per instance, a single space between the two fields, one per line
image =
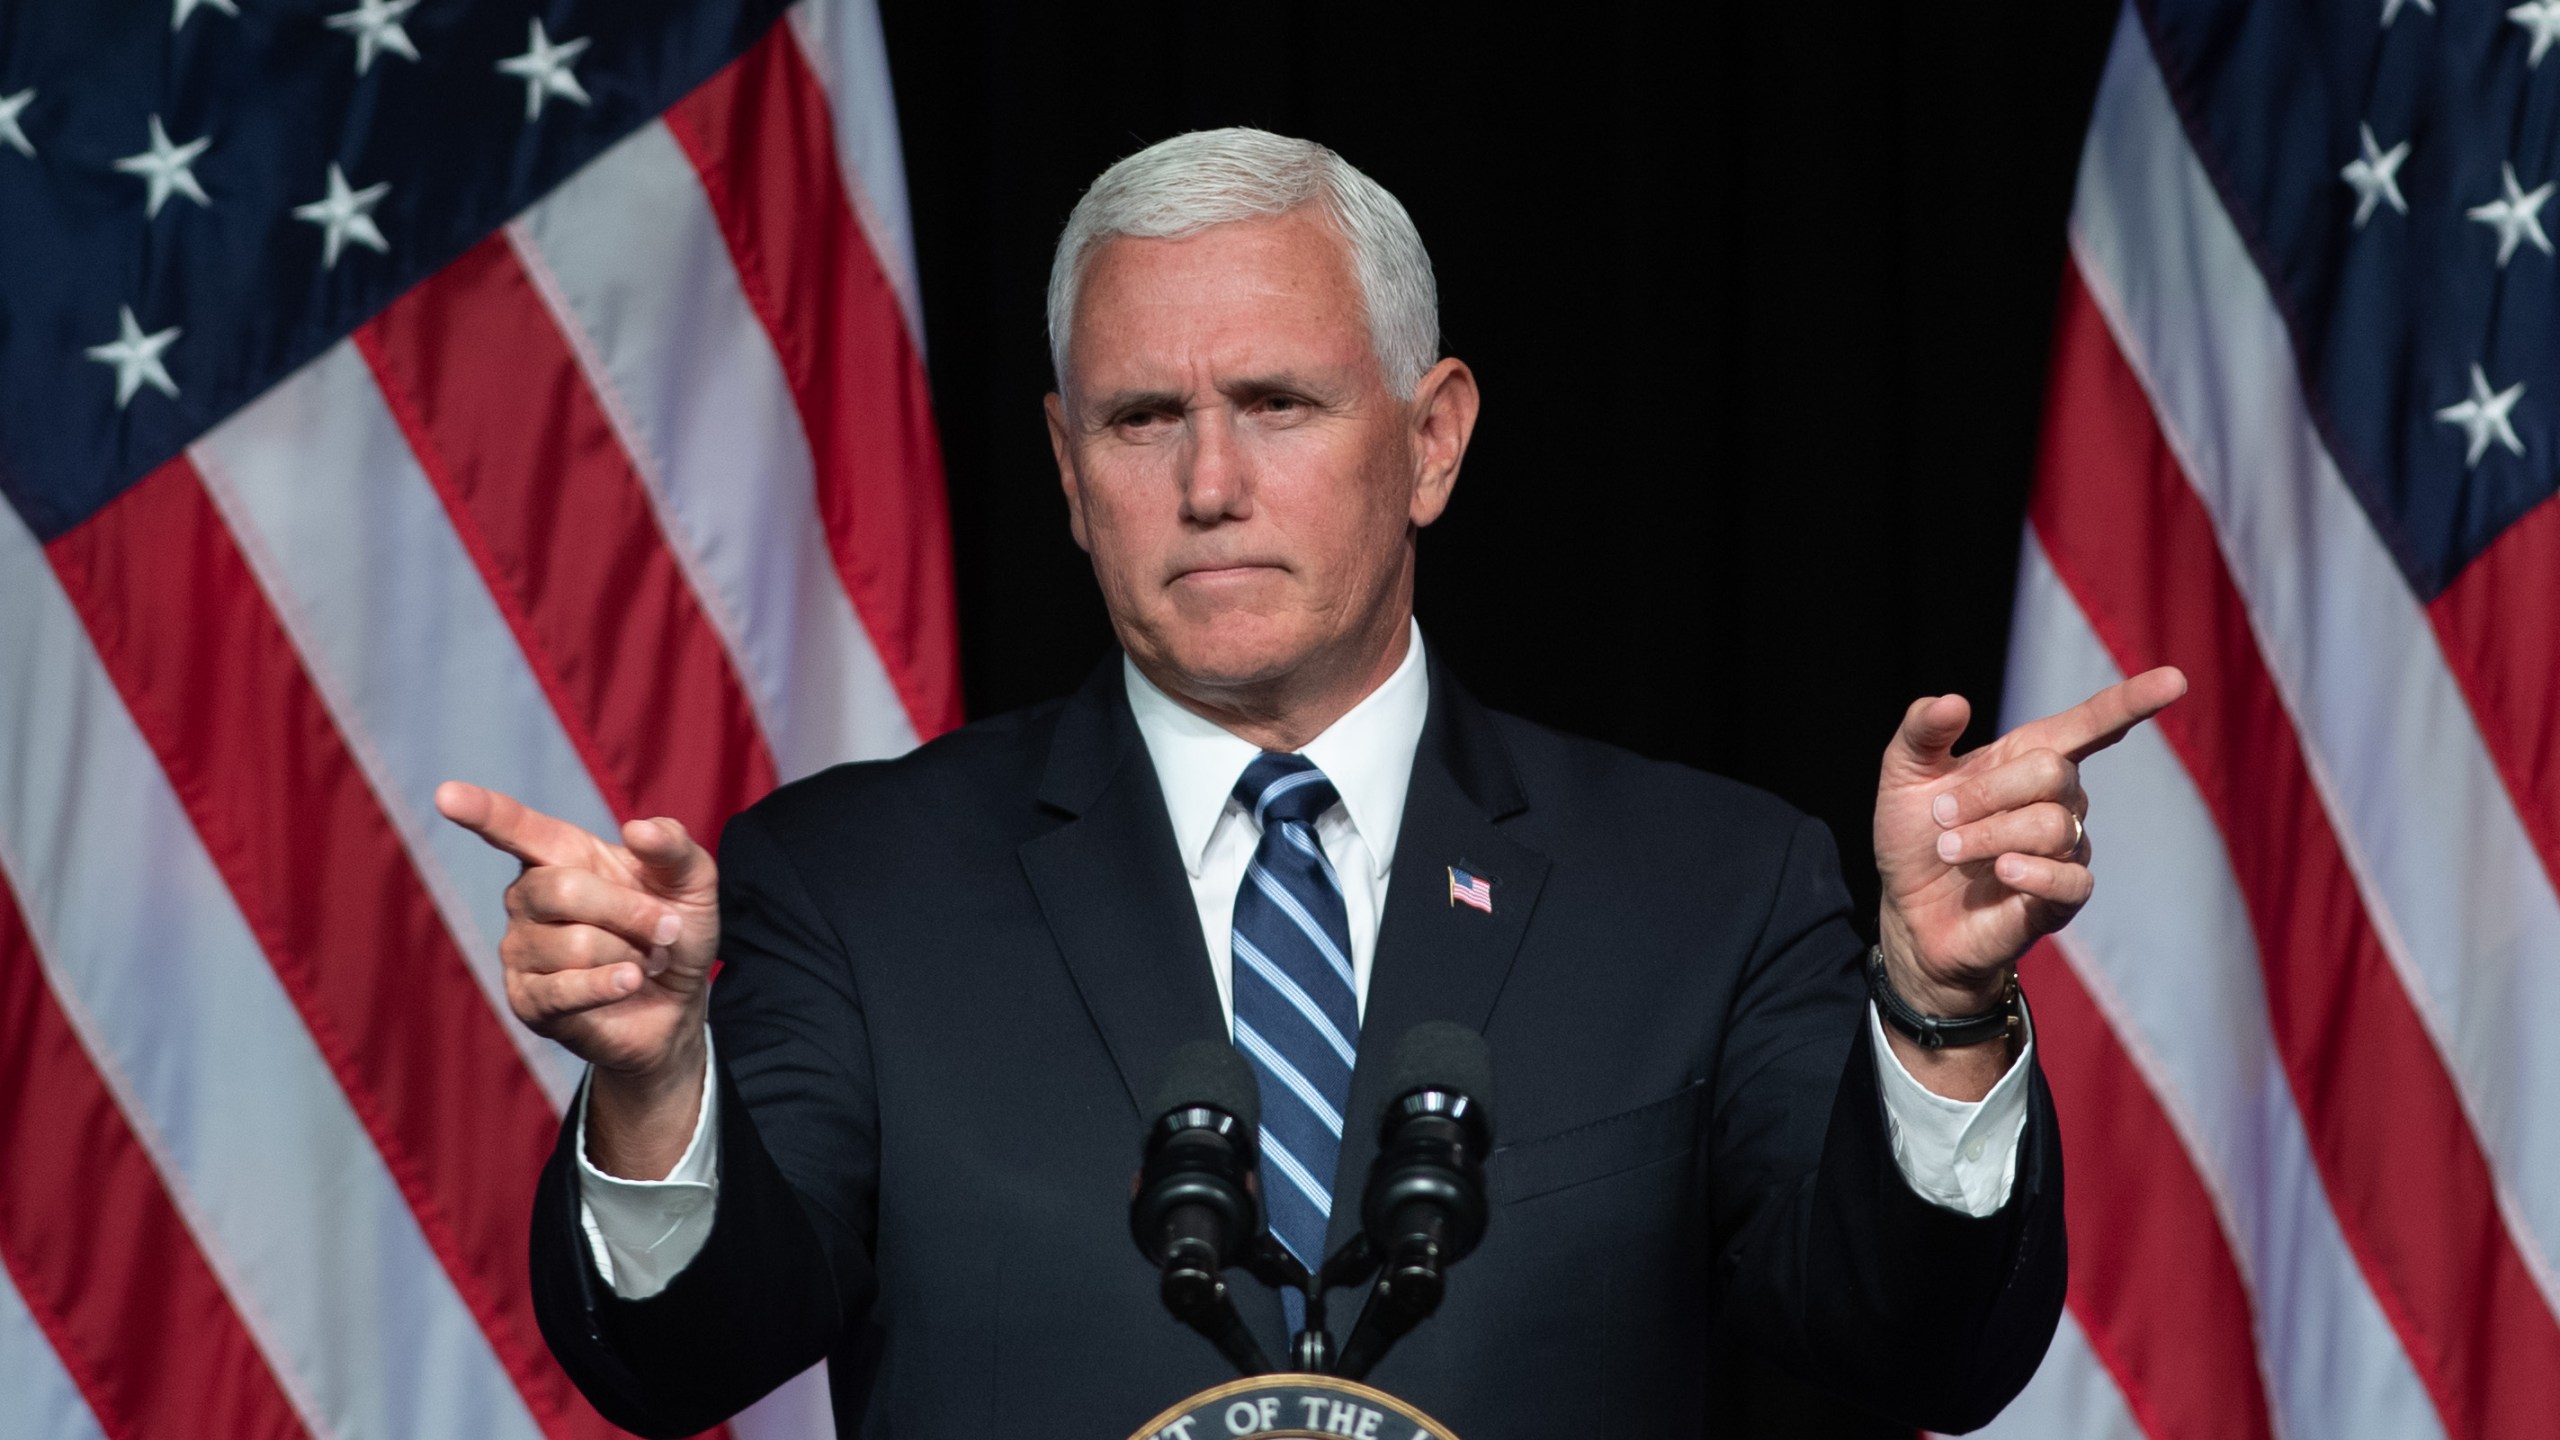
x=1211 y=1073
x=1443 y=1055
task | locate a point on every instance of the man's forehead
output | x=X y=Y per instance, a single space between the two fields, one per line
x=1256 y=297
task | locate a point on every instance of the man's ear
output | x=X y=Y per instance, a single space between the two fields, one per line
x=1054 y=406
x=1444 y=418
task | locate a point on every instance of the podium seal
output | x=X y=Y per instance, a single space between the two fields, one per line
x=1293 y=1407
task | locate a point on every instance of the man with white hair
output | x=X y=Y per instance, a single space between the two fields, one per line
x=898 y=1133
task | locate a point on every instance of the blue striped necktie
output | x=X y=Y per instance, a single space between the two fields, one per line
x=1297 y=1010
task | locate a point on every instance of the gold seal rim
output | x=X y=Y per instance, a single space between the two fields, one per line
x=1402 y=1409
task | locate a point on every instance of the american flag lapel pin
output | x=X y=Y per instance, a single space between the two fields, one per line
x=1468 y=888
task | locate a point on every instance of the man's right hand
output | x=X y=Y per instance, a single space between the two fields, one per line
x=609 y=951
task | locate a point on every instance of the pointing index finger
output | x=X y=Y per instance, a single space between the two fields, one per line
x=2108 y=716
x=509 y=824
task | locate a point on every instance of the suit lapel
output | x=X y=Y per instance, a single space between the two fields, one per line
x=1112 y=888
x=1437 y=960
x=1111 y=885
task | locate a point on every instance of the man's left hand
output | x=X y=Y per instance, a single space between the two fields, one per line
x=1983 y=853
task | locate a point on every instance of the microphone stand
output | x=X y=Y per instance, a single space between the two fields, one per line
x=1406 y=1294
x=1269 y=1261
x=1312 y=1350
x=1198 y=1297
x=1404 y=1297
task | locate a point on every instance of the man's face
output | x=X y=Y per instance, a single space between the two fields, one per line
x=1233 y=460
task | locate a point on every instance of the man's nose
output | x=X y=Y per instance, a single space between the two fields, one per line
x=1216 y=481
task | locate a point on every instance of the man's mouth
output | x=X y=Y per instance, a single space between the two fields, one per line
x=1222 y=574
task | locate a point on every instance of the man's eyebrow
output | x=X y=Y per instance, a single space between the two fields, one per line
x=1284 y=382
x=1122 y=402
x=1246 y=388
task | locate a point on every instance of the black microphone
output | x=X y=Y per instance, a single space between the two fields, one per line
x=1193 y=1211
x=1424 y=1209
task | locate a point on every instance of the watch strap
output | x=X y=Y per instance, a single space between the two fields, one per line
x=1937 y=1032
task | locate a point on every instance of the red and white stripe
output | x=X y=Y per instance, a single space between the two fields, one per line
x=2302 y=1025
x=399 y=634
x=849 y=59
x=635 y=509
x=183 y=1021
x=2164 y=1068
x=42 y=1394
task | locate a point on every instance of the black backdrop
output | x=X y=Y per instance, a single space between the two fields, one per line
x=1758 y=295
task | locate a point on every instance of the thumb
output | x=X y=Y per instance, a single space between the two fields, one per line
x=670 y=862
x=1928 y=734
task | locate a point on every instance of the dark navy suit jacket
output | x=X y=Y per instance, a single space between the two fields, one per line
x=952 y=978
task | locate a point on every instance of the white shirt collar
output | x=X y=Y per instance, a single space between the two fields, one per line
x=1367 y=754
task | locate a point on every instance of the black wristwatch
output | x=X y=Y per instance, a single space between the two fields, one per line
x=1938 y=1032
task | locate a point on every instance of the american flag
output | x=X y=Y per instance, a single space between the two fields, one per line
x=526 y=391
x=1470 y=889
x=2301 y=440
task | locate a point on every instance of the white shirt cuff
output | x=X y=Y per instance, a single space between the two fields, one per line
x=1960 y=1154
x=644 y=1232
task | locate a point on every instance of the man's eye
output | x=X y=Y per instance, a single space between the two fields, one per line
x=1281 y=403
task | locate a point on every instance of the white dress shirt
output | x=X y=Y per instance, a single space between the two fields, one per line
x=1959 y=1154
x=1367 y=754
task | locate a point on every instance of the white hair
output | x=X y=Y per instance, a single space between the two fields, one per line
x=1180 y=186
